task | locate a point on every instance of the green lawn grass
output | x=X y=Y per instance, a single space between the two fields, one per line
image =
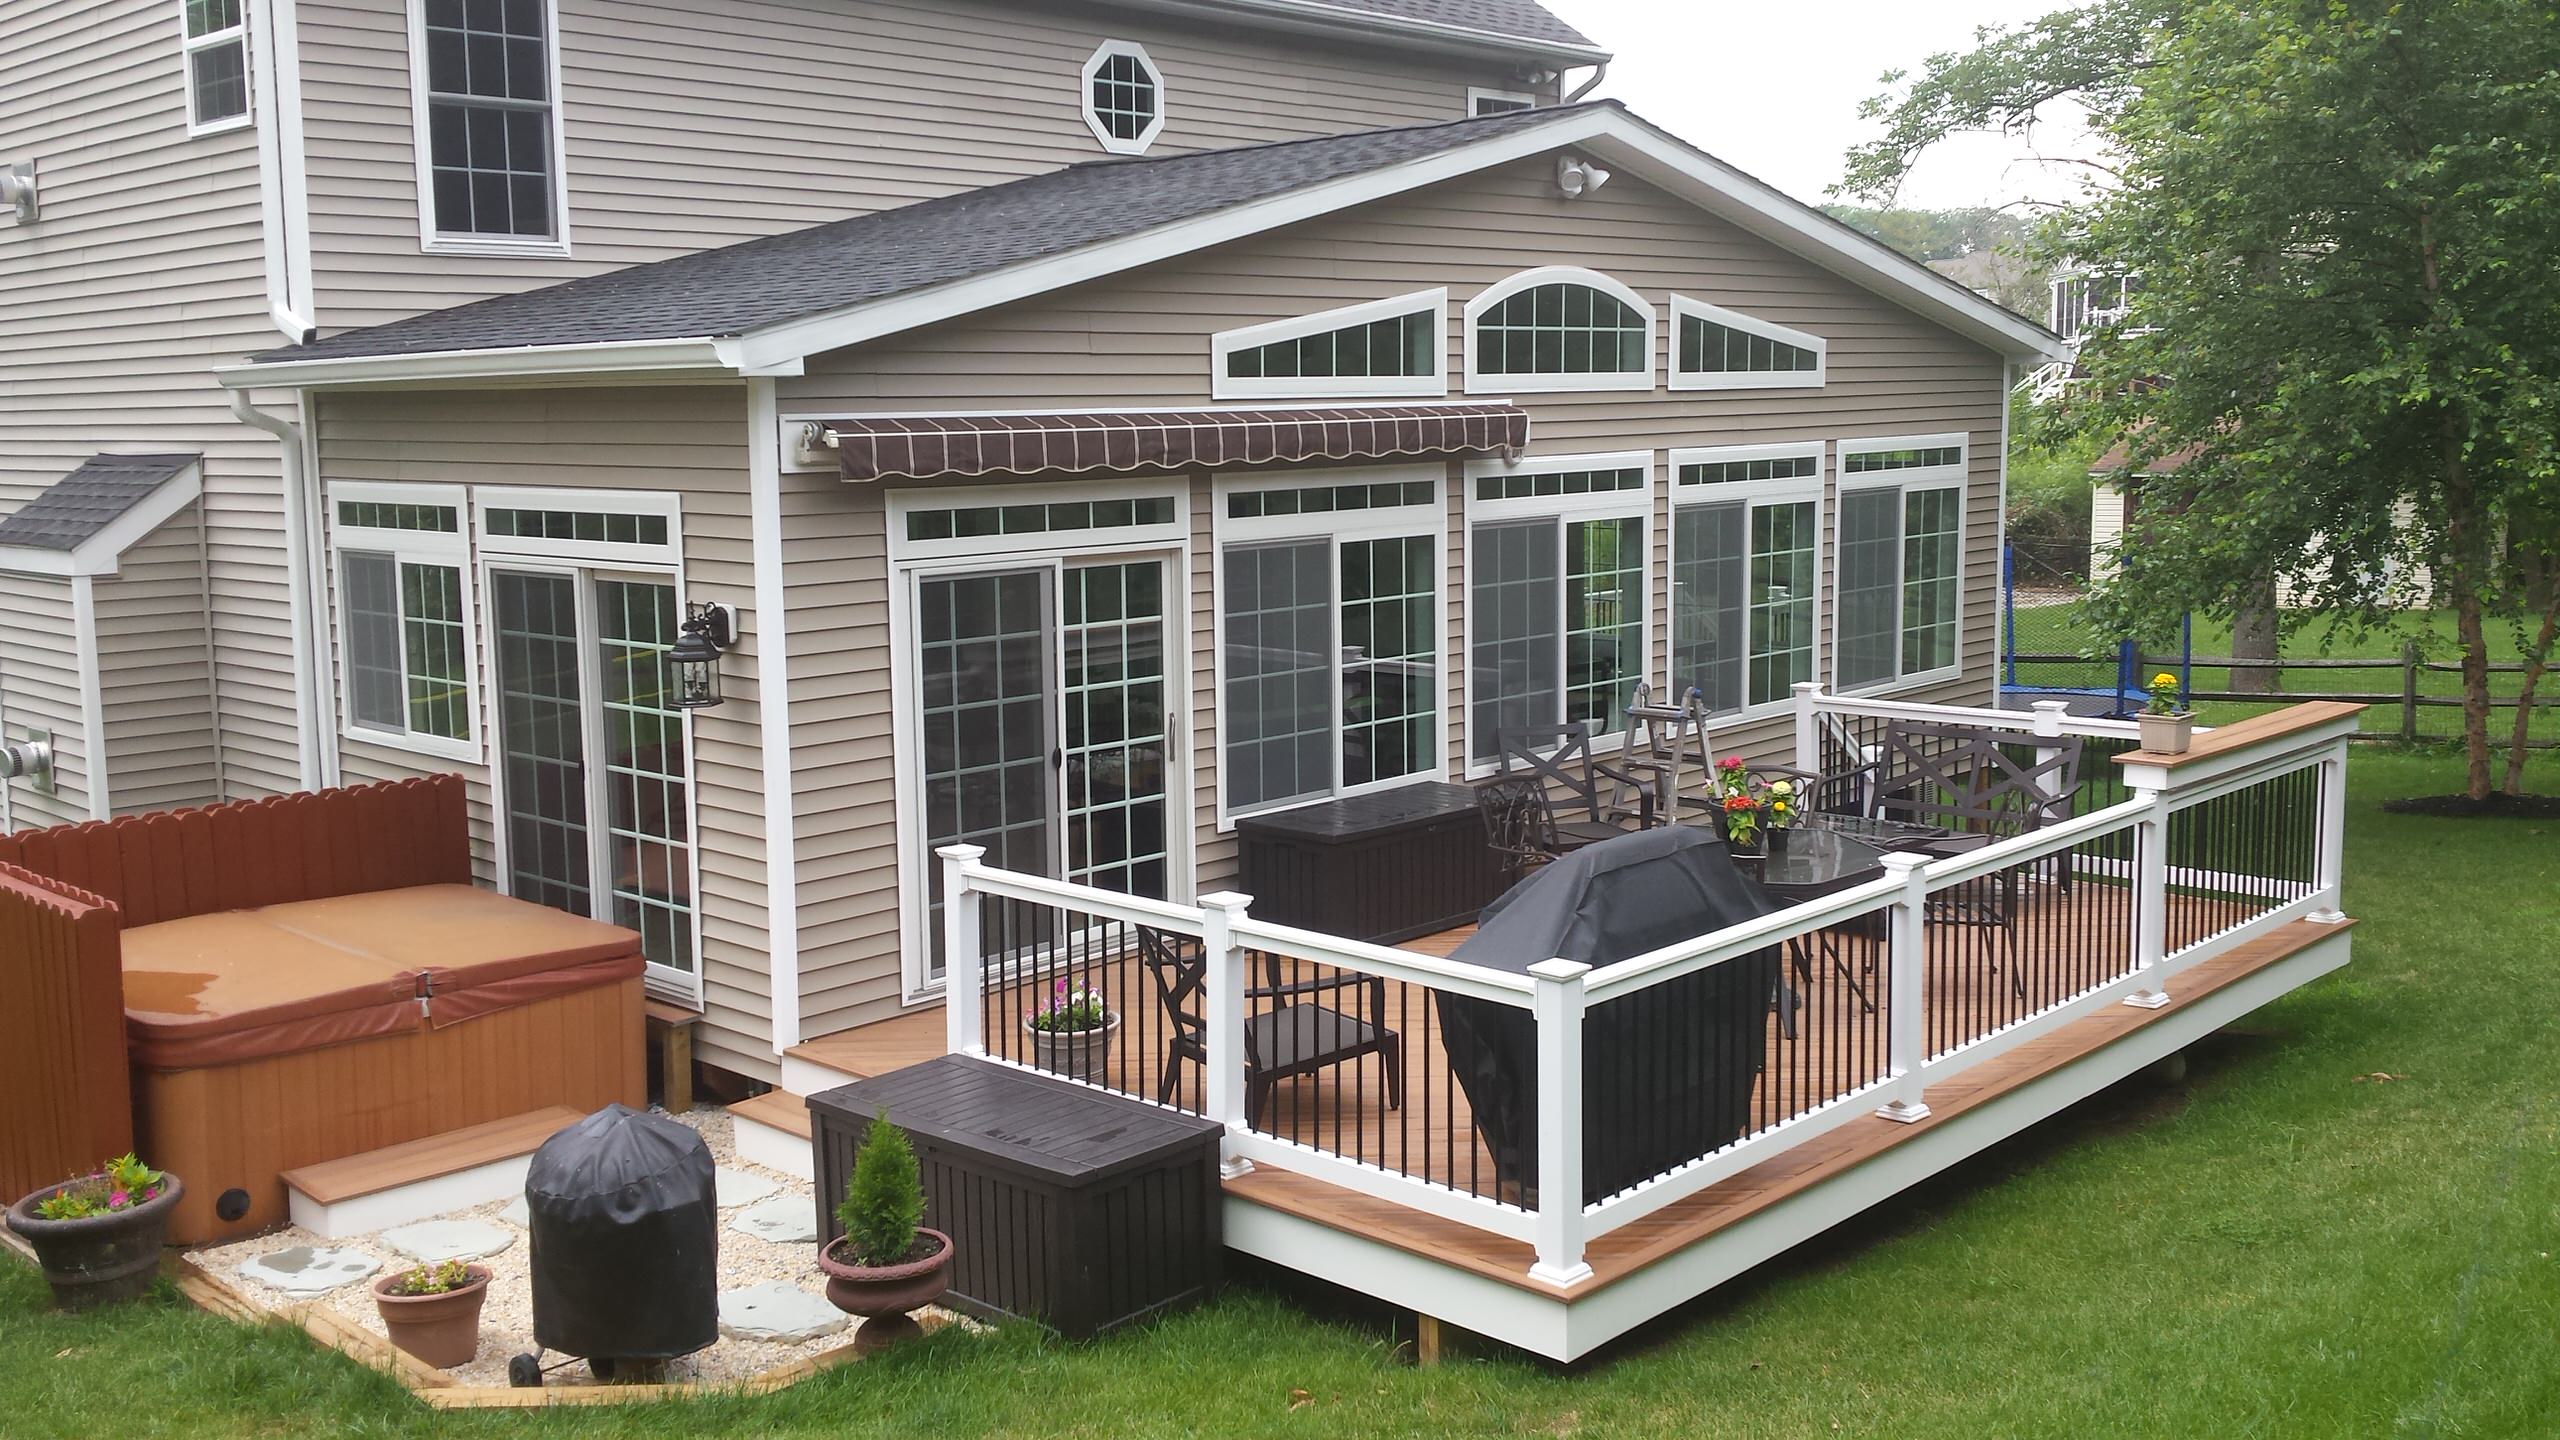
x=2052 y=629
x=2274 y=1248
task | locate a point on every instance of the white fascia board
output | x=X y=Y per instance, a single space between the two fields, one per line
x=1315 y=17
x=101 y=553
x=674 y=359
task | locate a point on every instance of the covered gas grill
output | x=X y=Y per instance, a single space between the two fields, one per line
x=626 y=1244
x=1668 y=1071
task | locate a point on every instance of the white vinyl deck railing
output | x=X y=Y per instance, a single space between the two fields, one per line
x=1882 y=991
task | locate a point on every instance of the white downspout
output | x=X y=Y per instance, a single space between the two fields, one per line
x=298 y=549
x=1587 y=86
x=773 y=705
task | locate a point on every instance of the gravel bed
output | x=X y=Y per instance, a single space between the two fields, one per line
x=506 y=1323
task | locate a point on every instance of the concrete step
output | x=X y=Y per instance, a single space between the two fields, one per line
x=420 y=1179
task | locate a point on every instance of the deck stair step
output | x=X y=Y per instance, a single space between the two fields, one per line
x=773 y=1130
x=421 y=1179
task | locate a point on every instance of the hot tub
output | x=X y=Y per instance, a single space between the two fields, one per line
x=285 y=1035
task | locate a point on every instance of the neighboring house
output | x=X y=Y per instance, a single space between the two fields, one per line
x=1099 y=422
x=2115 y=500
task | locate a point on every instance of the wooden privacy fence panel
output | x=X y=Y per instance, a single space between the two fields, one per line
x=178 y=863
x=62 y=1066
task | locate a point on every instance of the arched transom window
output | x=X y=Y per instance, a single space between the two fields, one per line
x=1559 y=329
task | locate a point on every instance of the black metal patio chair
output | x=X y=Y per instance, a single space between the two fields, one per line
x=1292 y=1037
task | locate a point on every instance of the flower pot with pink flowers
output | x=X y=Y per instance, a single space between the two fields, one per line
x=1071 y=1033
x=98 y=1237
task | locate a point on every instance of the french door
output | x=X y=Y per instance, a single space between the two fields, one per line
x=1044 y=726
x=594 y=764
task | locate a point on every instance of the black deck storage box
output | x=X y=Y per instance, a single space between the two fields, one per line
x=1080 y=1210
x=1395 y=865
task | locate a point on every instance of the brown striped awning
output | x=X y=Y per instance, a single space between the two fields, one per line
x=930 y=447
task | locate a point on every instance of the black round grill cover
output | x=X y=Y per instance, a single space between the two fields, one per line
x=626 y=1239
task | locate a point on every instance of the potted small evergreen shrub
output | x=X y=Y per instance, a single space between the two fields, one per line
x=1071 y=1033
x=886 y=1263
x=433 y=1311
x=98 y=1237
x=2168 y=726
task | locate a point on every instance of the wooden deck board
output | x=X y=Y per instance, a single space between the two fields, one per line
x=409 y=1162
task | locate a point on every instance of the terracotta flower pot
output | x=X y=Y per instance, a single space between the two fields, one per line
x=1076 y=1054
x=442 y=1330
x=2167 y=734
x=104 y=1258
x=882 y=1295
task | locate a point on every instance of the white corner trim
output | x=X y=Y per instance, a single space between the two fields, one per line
x=773 y=711
x=1104 y=54
x=1480 y=383
x=1684 y=308
x=1338 y=387
x=93 y=708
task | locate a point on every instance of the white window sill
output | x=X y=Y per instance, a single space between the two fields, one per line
x=240 y=121
x=433 y=746
x=491 y=246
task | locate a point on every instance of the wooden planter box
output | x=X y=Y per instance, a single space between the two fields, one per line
x=1089 y=1212
x=1395 y=865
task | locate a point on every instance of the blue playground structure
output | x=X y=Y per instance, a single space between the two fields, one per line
x=2054 y=652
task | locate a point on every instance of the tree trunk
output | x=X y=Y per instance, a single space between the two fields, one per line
x=2464 y=572
x=2254 y=637
x=2537 y=663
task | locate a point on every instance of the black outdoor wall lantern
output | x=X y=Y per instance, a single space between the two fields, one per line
x=693 y=662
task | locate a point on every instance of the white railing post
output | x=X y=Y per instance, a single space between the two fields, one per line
x=1222 y=1008
x=963 y=960
x=2048 y=726
x=2332 y=821
x=1808 y=727
x=2151 y=902
x=1907 y=1032
x=1559 y=1009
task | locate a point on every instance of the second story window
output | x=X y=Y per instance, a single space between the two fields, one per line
x=1123 y=97
x=1481 y=101
x=490 y=168
x=217 y=47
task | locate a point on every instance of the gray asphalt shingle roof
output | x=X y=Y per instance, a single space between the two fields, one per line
x=780 y=278
x=1522 y=18
x=76 y=507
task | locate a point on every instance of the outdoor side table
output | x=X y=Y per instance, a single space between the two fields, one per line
x=1385 y=867
x=1067 y=1206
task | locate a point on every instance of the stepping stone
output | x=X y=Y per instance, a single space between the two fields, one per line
x=784 y=1219
x=737 y=1187
x=777 y=1311
x=309 y=1269
x=433 y=1242
x=518 y=1214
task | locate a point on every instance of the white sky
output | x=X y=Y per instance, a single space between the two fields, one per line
x=1775 y=89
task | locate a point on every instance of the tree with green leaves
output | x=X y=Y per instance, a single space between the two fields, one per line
x=2346 y=219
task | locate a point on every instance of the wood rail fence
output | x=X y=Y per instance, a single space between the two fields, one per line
x=2406 y=695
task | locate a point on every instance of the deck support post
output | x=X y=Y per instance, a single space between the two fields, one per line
x=963 y=957
x=2333 y=837
x=1559 y=1007
x=1428 y=1342
x=2151 y=903
x=1222 y=1000
x=1907 y=1035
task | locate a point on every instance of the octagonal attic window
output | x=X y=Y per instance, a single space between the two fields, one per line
x=1123 y=97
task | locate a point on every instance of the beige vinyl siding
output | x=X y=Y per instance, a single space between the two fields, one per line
x=690 y=127
x=40 y=688
x=143 y=272
x=155 y=673
x=1143 y=339
x=691 y=441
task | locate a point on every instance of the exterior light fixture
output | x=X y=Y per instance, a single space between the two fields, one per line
x=1577 y=177
x=693 y=662
x=18 y=190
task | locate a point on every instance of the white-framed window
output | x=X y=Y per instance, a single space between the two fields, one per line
x=214 y=39
x=592 y=764
x=406 y=635
x=1713 y=348
x=1481 y=101
x=996 y=520
x=485 y=79
x=1557 y=555
x=1124 y=101
x=1395 y=346
x=1900 y=605
x=1330 y=642
x=1746 y=574
x=1559 y=328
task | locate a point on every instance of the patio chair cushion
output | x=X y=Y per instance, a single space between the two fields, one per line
x=239 y=985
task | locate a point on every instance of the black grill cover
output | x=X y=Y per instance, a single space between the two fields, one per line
x=1667 y=1071
x=626 y=1239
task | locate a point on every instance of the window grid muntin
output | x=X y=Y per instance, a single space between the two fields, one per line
x=592 y=527
x=647 y=771
x=1785 y=584
x=1389 y=594
x=216 y=49
x=1125 y=97
x=487 y=82
x=1864 y=462
x=1114 y=687
x=1604 y=603
x=1932 y=572
x=1552 y=484
x=1037 y=517
x=400 y=515
x=1362 y=495
x=1735 y=472
x=1410 y=342
x=542 y=739
x=1563 y=327
x=1709 y=347
x=434 y=626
